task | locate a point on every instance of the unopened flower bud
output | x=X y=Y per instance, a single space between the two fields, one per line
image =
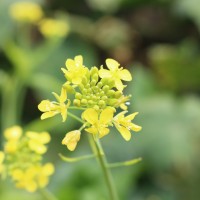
x=78 y=95
x=77 y=102
x=84 y=101
x=105 y=88
x=118 y=94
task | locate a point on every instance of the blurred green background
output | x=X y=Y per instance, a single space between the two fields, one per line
x=159 y=42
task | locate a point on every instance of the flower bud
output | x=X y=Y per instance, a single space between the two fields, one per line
x=118 y=94
x=94 y=70
x=78 y=95
x=84 y=101
x=105 y=88
x=77 y=102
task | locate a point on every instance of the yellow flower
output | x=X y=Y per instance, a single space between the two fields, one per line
x=37 y=141
x=53 y=27
x=33 y=177
x=12 y=134
x=75 y=70
x=2 y=157
x=26 y=11
x=44 y=173
x=115 y=73
x=71 y=139
x=99 y=123
x=51 y=109
x=24 y=179
x=124 y=124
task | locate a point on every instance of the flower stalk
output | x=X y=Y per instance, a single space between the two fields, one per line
x=106 y=171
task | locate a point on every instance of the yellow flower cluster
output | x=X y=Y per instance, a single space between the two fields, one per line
x=22 y=156
x=98 y=93
x=26 y=11
x=31 y=12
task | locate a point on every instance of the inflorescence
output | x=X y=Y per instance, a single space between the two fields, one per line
x=98 y=93
x=21 y=158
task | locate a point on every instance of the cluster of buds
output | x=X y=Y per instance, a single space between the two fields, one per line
x=21 y=158
x=98 y=93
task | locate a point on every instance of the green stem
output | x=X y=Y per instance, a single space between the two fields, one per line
x=98 y=151
x=46 y=194
x=106 y=172
x=76 y=108
x=75 y=117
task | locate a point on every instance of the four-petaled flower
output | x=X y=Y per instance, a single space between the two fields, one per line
x=124 y=124
x=75 y=70
x=71 y=139
x=51 y=108
x=116 y=73
x=98 y=122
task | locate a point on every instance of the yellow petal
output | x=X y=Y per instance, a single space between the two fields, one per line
x=42 y=181
x=104 y=73
x=70 y=64
x=45 y=105
x=44 y=137
x=63 y=95
x=64 y=114
x=131 y=116
x=13 y=133
x=112 y=64
x=48 y=169
x=37 y=147
x=135 y=127
x=125 y=75
x=78 y=60
x=119 y=85
x=90 y=115
x=126 y=134
x=31 y=186
x=17 y=174
x=106 y=115
x=92 y=130
x=48 y=114
x=103 y=131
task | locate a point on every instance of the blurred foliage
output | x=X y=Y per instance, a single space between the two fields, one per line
x=159 y=41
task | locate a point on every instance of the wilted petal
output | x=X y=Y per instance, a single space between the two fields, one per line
x=71 y=139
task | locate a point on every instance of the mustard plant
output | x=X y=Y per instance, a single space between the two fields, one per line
x=99 y=94
x=21 y=159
